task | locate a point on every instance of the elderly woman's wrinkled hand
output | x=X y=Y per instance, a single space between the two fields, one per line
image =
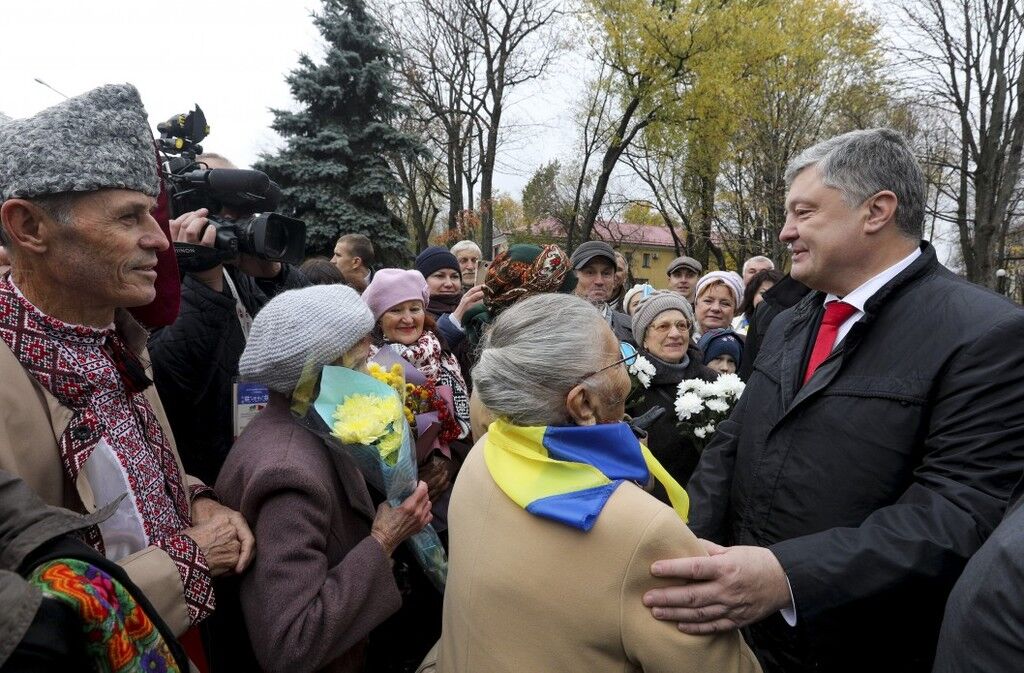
x=393 y=525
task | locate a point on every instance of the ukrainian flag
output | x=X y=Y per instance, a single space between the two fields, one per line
x=567 y=473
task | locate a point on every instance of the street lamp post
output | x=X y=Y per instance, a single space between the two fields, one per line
x=1001 y=281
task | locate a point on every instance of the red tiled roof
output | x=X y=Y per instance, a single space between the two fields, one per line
x=613 y=232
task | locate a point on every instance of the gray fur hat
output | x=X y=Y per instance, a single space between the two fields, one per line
x=658 y=302
x=313 y=326
x=100 y=139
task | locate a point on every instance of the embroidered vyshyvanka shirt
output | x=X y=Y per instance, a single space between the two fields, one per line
x=114 y=437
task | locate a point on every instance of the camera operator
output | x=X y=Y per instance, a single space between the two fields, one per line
x=195 y=360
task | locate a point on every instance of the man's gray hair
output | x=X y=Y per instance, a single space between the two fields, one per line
x=466 y=245
x=862 y=163
x=535 y=352
x=757 y=259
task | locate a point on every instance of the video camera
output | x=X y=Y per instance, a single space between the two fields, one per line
x=192 y=185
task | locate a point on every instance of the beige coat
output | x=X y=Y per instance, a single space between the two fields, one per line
x=526 y=594
x=32 y=420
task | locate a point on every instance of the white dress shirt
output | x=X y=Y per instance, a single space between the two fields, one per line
x=859 y=297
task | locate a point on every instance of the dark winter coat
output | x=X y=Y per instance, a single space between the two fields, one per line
x=196 y=359
x=874 y=483
x=983 y=629
x=785 y=294
x=674 y=451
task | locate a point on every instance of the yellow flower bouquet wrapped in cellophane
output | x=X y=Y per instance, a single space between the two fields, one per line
x=363 y=419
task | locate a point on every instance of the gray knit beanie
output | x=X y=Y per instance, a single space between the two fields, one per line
x=98 y=140
x=313 y=326
x=659 y=302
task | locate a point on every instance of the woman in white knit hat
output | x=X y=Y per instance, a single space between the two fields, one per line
x=322 y=579
x=719 y=293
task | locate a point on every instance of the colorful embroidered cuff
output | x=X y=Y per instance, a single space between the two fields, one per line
x=195 y=575
x=196 y=491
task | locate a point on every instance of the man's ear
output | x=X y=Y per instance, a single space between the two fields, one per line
x=24 y=225
x=881 y=212
x=580 y=406
x=357 y=262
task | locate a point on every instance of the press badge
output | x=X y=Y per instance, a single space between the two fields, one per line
x=248 y=400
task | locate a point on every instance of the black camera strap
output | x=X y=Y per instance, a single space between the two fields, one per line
x=193 y=257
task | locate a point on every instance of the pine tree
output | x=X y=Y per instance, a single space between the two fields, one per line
x=333 y=171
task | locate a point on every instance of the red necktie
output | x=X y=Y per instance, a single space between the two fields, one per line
x=836 y=313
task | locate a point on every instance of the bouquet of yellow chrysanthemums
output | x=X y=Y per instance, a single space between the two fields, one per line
x=364 y=418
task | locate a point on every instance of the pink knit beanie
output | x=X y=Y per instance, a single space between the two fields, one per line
x=391 y=287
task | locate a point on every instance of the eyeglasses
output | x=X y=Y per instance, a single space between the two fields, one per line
x=664 y=327
x=629 y=355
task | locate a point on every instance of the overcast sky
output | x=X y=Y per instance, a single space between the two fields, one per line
x=229 y=56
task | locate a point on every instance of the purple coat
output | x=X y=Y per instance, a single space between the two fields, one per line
x=319 y=583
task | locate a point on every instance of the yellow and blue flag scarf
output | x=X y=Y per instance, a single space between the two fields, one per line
x=567 y=473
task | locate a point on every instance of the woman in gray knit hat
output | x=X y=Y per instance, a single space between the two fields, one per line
x=322 y=578
x=663 y=325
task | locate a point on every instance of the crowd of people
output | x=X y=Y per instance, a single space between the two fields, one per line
x=170 y=502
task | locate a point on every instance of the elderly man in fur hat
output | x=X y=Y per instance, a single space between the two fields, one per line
x=80 y=422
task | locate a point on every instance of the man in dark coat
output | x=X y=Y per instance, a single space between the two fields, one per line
x=983 y=629
x=594 y=264
x=195 y=360
x=876 y=443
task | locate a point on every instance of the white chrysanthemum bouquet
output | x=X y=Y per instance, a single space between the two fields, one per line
x=701 y=406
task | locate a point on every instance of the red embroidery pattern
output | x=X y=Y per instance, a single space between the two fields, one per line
x=71 y=363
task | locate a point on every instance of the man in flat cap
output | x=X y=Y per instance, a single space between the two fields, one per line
x=683 y=273
x=594 y=263
x=80 y=422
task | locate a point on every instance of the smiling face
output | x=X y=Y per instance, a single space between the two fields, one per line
x=668 y=336
x=444 y=281
x=107 y=257
x=824 y=235
x=716 y=307
x=403 y=323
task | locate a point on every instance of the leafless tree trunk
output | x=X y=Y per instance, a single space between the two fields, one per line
x=971 y=54
x=516 y=40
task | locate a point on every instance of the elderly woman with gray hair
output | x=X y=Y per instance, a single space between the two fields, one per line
x=552 y=532
x=322 y=579
x=663 y=324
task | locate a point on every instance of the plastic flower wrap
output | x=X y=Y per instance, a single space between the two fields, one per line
x=700 y=405
x=363 y=418
x=430 y=409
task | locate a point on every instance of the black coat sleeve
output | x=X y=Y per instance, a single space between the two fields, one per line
x=972 y=458
x=983 y=626
x=186 y=354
